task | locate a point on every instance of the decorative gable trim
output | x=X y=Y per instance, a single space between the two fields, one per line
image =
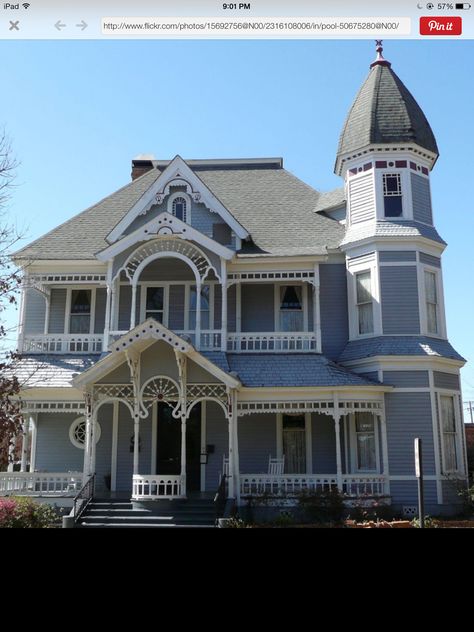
x=177 y=173
x=165 y=224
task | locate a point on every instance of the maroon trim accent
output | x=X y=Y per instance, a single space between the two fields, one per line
x=413 y=166
x=400 y=163
x=352 y=172
x=367 y=166
x=424 y=170
x=380 y=164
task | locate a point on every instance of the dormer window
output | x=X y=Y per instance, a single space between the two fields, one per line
x=392 y=195
x=179 y=208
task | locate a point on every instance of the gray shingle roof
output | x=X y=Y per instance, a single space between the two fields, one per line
x=272 y=204
x=331 y=199
x=51 y=371
x=384 y=111
x=297 y=369
x=398 y=345
x=394 y=228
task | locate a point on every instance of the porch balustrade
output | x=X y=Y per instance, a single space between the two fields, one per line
x=40 y=484
x=290 y=484
x=272 y=341
x=158 y=486
x=62 y=343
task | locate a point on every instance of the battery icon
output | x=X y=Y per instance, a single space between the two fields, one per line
x=462 y=5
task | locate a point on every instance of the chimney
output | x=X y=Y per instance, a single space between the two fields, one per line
x=141 y=164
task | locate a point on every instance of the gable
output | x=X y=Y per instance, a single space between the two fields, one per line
x=177 y=174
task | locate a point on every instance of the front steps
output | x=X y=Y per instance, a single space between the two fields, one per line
x=119 y=513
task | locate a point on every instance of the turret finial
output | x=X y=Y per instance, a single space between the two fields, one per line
x=379 y=61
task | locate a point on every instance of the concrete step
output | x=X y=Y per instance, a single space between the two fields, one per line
x=147 y=519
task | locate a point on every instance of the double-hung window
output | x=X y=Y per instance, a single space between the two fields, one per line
x=80 y=315
x=449 y=434
x=431 y=297
x=205 y=307
x=155 y=303
x=291 y=308
x=365 y=440
x=365 y=312
x=392 y=195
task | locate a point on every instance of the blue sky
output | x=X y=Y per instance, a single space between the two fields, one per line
x=78 y=112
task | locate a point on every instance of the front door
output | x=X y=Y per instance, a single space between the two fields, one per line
x=168 y=446
x=193 y=450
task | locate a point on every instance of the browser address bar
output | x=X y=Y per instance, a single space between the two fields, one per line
x=259 y=26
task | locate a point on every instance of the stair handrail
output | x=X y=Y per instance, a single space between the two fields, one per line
x=220 y=497
x=86 y=494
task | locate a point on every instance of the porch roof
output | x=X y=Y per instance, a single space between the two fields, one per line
x=399 y=346
x=50 y=371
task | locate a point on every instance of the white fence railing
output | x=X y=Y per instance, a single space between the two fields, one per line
x=157 y=486
x=290 y=484
x=271 y=341
x=62 y=343
x=40 y=484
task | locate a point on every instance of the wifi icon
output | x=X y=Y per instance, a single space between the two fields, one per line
x=26 y=5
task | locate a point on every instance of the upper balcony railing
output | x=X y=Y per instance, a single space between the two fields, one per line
x=211 y=340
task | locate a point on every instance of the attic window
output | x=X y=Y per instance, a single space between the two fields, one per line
x=392 y=195
x=179 y=208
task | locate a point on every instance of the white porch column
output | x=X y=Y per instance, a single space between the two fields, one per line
x=136 y=441
x=34 y=436
x=24 y=444
x=236 y=450
x=21 y=318
x=232 y=421
x=107 y=308
x=224 y=306
x=337 y=423
x=11 y=453
x=317 y=309
x=113 y=305
x=198 y=315
x=238 y=307
x=134 y=305
x=383 y=430
x=48 y=312
x=87 y=447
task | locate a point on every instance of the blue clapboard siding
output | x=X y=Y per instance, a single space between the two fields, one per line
x=310 y=296
x=54 y=450
x=258 y=307
x=409 y=416
x=446 y=380
x=125 y=305
x=35 y=312
x=406 y=493
x=217 y=435
x=167 y=269
x=397 y=255
x=100 y=306
x=399 y=292
x=57 y=311
x=257 y=441
x=217 y=306
x=323 y=444
x=430 y=260
x=420 y=190
x=333 y=299
x=203 y=220
x=371 y=375
x=176 y=307
x=407 y=379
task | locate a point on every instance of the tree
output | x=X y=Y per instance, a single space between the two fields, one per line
x=10 y=412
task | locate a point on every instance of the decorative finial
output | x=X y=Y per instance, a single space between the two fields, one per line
x=379 y=61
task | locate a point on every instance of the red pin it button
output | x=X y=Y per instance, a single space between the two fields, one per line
x=441 y=26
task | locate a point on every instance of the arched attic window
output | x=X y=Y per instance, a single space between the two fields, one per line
x=179 y=208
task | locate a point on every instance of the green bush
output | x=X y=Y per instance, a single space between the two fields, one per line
x=322 y=506
x=25 y=513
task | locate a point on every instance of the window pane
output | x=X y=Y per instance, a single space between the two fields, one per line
x=205 y=311
x=80 y=302
x=79 y=324
x=392 y=184
x=364 y=422
x=393 y=206
x=294 y=421
x=154 y=299
x=291 y=321
x=179 y=208
x=450 y=458
x=432 y=317
x=364 y=294
x=366 y=319
x=366 y=451
x=290 y=297
x=430 y=287
x=447 y=414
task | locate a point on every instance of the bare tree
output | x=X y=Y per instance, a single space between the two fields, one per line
x=10 y=413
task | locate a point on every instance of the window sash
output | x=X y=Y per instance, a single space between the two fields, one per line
x=80 y=313
x=205 y=307
x=431 y=296
x=365 y=314
x=154 y=309
x=449 y=432
x=366 y=452
x=291 y=318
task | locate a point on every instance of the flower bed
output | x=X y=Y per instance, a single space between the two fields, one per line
x=24 y=513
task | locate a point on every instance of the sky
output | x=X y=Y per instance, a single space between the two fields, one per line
x=78 y=112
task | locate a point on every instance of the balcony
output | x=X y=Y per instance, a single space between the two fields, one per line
x=272 y=342
x=62 y=343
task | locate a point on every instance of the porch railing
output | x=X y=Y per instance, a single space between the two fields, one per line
x=271 y=341
x=157 y=486
x=62 y=343
x=290 y=484
x=83 y=498
x=40 y=484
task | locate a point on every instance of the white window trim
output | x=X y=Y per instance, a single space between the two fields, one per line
x=458 y=427
x=185 y=196
x=422 y=268
x=277 y=302
x=67 y=311
x=352 y=270
x=353 y=446
x=72 y=429
x=308 y=438
x=405 y=181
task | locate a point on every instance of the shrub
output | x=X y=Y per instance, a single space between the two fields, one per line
x=24 y=513
x=322 y=506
